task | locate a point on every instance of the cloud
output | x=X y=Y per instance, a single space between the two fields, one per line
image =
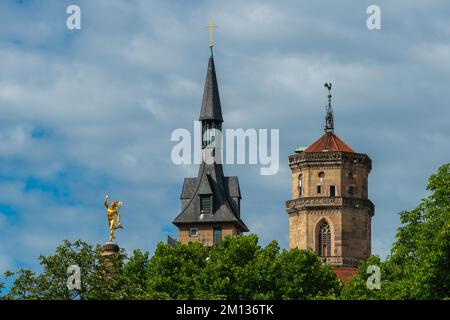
x=90 y=112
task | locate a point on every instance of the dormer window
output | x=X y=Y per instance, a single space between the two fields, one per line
x=206 y=204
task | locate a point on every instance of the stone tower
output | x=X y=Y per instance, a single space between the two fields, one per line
x=210 y=202
x=330 y=211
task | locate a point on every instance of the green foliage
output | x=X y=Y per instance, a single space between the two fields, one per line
x=173 y=272
x=301 y=275
x=356 y=288
x=238 y=268
x=51 y=283
x=419 y=264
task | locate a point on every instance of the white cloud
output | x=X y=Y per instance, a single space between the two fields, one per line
x=108 y=97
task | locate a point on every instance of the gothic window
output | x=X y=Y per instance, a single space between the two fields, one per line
x=300 y=185
x=324 y=239
x=206 y=204
x=319 y=188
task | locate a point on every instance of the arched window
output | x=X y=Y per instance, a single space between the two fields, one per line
x=324 y=239
x=300 y=185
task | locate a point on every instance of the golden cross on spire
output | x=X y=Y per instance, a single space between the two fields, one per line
x=211 y=26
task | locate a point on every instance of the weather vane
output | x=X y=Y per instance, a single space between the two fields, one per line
x=113 y=212
x=329 y=122
x=211 y=26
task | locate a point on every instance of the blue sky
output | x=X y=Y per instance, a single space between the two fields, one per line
x=89 y=112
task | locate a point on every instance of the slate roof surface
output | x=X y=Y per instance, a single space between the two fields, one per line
x=211 y=109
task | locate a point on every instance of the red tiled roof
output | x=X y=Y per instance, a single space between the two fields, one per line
x=345 y=274
x=329 y=142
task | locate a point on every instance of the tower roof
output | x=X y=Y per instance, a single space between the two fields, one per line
x=329 y=142
x=226 y=195
x=211 y=109
x=210 y=180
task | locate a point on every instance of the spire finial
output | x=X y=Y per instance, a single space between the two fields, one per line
x=329 y=122
x=211 y=26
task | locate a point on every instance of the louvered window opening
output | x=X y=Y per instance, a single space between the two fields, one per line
x=206 y=204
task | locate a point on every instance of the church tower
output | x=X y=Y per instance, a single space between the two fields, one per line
x=330 y=211
x=210 y=202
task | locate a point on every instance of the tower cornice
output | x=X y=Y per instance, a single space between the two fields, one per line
x=332 y=158
x=310 y=203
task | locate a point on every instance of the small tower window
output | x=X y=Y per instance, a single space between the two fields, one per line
x=206 y=204
x=324 y=239
x=193 y=232
x=351 y=190
x=332 y=191
x=210 y=132
x=319 y=185
x=300 y=185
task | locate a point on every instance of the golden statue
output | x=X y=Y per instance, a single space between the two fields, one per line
x=113 y=216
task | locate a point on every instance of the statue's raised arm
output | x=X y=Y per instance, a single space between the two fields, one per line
x=106 y=201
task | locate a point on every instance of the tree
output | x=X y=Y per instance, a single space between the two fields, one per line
x=96 y=279
x=420 y=258
x=357 y=289
x=51 y=283
x=239 y=269
x=173 y=271
x=418 y=266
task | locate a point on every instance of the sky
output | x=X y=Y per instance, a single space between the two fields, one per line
x=88 y=112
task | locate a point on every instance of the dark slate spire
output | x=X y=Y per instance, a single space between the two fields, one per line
x=210 y=180
x=329 y=122
x=211 y=109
